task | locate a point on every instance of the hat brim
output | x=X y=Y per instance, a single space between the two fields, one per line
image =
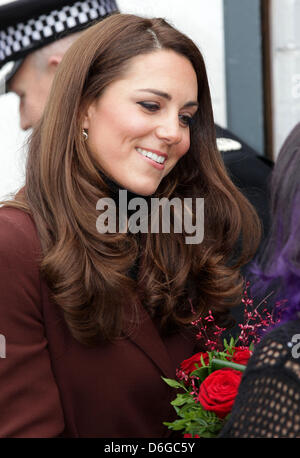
x=7 y=73
x=16 y=65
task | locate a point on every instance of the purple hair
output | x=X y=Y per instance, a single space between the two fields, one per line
x=278 y=267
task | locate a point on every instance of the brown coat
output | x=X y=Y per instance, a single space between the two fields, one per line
x=51 y=385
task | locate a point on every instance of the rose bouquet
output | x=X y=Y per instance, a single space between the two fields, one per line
x=208 y=382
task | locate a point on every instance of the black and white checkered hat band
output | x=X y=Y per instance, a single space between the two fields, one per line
x=18 y=40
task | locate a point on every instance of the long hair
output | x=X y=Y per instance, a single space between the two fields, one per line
x=277 y=269
x=88 y=271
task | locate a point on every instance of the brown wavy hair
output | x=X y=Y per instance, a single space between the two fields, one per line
x=88 y=272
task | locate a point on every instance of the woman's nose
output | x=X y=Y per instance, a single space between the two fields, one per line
x=170 y=130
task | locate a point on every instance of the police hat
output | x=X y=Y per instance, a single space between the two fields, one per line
x=27 y=25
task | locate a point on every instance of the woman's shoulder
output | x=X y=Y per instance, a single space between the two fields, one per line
x=268 y=396
x=15 y=220
x=18 y=234
x=282 y=333
x=14 y=215
x=278 y=346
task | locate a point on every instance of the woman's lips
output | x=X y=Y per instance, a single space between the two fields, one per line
x=154 y=157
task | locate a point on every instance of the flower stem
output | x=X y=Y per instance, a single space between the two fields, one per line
x=221 y=364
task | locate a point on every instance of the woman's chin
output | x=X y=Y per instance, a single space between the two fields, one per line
x=143 y=189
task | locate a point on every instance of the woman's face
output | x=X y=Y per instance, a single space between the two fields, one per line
x=139 y=128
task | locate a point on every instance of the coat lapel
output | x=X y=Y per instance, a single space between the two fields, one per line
x=147 y=338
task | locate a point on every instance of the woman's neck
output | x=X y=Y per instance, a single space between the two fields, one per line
x=115 y=187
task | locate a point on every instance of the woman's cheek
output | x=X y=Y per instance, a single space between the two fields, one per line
x=184 y=149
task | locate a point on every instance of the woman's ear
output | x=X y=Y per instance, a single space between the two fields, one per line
x=88 y=113
x=86 y=118
x=86 y=122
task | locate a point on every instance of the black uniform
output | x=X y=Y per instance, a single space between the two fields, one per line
x=251 y=173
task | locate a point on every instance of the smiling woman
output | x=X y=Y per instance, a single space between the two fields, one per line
x=144 y=131
x=95 y=319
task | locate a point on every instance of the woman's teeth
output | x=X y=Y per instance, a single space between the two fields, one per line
x=153 y=156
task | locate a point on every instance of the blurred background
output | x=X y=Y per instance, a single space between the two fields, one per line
x=252 y=53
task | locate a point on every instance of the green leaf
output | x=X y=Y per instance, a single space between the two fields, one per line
x=192 y=418
x=180 y=399
x=202 y=373
x=202 y=361
x=202 y=422
x=225 y=343
x=173 y=383
x=175 y=425
x=224 y=355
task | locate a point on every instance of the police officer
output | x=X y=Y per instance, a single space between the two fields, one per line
x=34 y=36
x=251 y=173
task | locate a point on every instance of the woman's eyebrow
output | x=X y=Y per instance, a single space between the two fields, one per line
x=167 y=96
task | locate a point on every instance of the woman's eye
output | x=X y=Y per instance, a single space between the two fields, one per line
x=150 y=106
x=186 y=120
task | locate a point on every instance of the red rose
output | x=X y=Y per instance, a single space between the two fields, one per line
x=189 y=436
x=218 y=391
x=241 y=355
x=189 y=365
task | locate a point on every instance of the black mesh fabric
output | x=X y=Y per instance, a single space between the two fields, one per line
x=268 y=401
